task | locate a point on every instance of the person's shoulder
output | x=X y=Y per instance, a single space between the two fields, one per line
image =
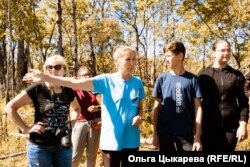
x=36 y=85
x=135 y=77
x=103 y=76
x=247 y=75
x=206 y=70
x=190 y=76
x=188 y=73
x=234 y=71
x=164 y=74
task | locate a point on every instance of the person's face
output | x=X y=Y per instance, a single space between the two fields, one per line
x=173 y=59
x=84 y=74
x=222 y=53
x=55 y=68
x=126 y=62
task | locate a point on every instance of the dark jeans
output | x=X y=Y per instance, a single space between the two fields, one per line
x=117 y=158
x=167 y=143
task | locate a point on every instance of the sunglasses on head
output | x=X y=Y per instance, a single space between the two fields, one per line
x=56 y=67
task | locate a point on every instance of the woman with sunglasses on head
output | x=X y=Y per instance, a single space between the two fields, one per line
x=56 y=109
x=225 y=106
x=85 y=134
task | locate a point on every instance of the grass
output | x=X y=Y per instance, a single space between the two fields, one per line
x=11 y=144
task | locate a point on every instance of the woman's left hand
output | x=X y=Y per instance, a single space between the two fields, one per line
x=137 y=120
x=197 y=146
x=93 y=108
x=241 y=133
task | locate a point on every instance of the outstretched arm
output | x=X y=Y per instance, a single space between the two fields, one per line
x=38 y=76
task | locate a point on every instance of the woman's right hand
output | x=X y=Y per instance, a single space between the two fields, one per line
x=32 y=76
x=155 y=141
x=37 y=128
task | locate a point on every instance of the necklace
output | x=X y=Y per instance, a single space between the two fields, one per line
x=57 y=96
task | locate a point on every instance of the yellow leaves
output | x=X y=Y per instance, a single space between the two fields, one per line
x=109 y=28
x=144 y=4
x=100 y=30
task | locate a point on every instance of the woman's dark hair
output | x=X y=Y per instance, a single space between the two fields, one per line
x=175 y=47
x=86 y=68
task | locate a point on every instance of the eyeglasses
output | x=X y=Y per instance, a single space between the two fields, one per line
x=56 y=67
x=224 y=50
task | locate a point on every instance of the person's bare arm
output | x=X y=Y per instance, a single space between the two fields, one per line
x=12 y=107
x=198 y=123
x=75 y=109
x=37 y=76
x=241 y=133
x=137 y=120
x=157 y=105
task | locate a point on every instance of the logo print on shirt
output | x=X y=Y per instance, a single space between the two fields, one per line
x=178 y=96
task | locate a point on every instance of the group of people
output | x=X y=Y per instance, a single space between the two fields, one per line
x=208 y=111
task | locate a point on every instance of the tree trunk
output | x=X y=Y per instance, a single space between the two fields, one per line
x=75 y=43
x=22 y=64
x=13 y=69
x=27 y=53
x=137 y=49
x=1 y=73
x=8 y=58
x=59 y=28
x=92 y=62
x=2 y=68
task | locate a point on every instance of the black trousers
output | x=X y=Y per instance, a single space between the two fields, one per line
x=167 y=143
x=117 y=158
x=219 y=140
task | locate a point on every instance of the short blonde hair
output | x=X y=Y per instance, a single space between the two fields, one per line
x=59 y=59
x=119 y=51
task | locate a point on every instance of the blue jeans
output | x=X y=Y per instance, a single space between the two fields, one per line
x=47 y=156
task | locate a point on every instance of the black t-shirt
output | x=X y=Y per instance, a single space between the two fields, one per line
x=51 y=109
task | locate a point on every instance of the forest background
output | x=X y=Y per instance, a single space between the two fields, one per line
x=87 y=31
